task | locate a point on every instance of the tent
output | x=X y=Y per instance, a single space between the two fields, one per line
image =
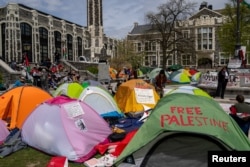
x=90 y=82
x=4 y=132
x=17 y=103
x=133 y=95
x=180 y=131
x=101 y=101
x=73 y=90
x=72 y=129
x=180 y=77
x=112 y=72
x=155 y=72
x=190 y=90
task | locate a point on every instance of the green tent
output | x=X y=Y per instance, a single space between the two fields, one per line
x=73 y=90
x=180 y=131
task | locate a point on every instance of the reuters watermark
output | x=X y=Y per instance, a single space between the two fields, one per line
x=228 y=158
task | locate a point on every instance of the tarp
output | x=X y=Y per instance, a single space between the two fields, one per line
x=17 y=103
x=65 y=127
x=131 y=96
x=187 y=115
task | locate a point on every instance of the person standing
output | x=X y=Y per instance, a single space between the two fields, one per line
x=160 y=82
x=223 y=76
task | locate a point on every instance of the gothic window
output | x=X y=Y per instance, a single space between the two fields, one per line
x=79 y=46
x=43 y=35
x=70 y=47
x=205 y=38
x=3 y=39
x=186 y=59
x=26 y=37
x=58 y=40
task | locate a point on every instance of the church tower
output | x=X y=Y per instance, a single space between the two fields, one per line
x=95 y=26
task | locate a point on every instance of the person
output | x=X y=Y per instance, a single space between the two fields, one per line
x=19 y=82
x=240 y=112
x=223 y=76
x=160 y=82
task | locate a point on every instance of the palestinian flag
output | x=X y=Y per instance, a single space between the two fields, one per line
x=245 y=2
x=26 y=63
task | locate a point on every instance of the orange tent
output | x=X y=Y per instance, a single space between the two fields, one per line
x=134 y=95
x=17 y=103
x=112 y=73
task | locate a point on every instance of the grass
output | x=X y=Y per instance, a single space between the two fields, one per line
x=29 y=157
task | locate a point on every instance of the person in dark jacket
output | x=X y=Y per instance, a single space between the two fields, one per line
x=240 y=112
x=223 y=76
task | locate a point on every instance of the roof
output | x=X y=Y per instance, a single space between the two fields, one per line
x=141 y=29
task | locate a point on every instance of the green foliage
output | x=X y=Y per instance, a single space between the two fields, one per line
x=127 y=56
x=93 y=70
x=228 y=31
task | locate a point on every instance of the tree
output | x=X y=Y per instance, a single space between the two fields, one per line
x=164 y=20
x=126 y=56
x=228 y=31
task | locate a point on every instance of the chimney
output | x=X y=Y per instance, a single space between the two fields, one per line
x=135 y=24
x=210 y=7
x=203 y=5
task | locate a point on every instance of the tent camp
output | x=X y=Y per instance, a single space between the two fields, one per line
x=17 y=103
x=106 y=107
x=133 y=95
x=180 y=131
x=73 y=90
x=72 y=129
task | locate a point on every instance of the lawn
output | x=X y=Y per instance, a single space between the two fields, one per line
x=29 y=157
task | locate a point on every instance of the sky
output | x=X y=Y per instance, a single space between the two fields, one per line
x=119 y=16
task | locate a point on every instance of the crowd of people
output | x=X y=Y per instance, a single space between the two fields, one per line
x=46 y=78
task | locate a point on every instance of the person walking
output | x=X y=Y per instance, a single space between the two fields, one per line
x=223 y=76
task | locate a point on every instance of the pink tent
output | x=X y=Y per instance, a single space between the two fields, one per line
x=65 y=127
x=4 y=132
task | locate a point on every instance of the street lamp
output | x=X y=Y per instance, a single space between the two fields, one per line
x=238 y=44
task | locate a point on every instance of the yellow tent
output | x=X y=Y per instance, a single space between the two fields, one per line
x=134 y=95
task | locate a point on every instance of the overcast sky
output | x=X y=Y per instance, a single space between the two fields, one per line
x=118 y=15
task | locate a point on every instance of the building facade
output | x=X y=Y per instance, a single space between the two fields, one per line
x=203 y=26
x=24 y=30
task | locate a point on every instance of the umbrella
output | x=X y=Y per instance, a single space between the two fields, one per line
x=196 y=77
x=155 y=72
x=189 y=90
x=179 y=77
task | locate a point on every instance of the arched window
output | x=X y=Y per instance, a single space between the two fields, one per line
x=58 y=41
x=26 y=37
x=43 y=35
x=70 y=47
x=79 y=46
x=3 y=39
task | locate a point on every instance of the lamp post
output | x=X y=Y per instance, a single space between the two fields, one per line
x=238 y=44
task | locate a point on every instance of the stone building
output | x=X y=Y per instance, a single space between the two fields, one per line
x=203 y=25
x=24 y=30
